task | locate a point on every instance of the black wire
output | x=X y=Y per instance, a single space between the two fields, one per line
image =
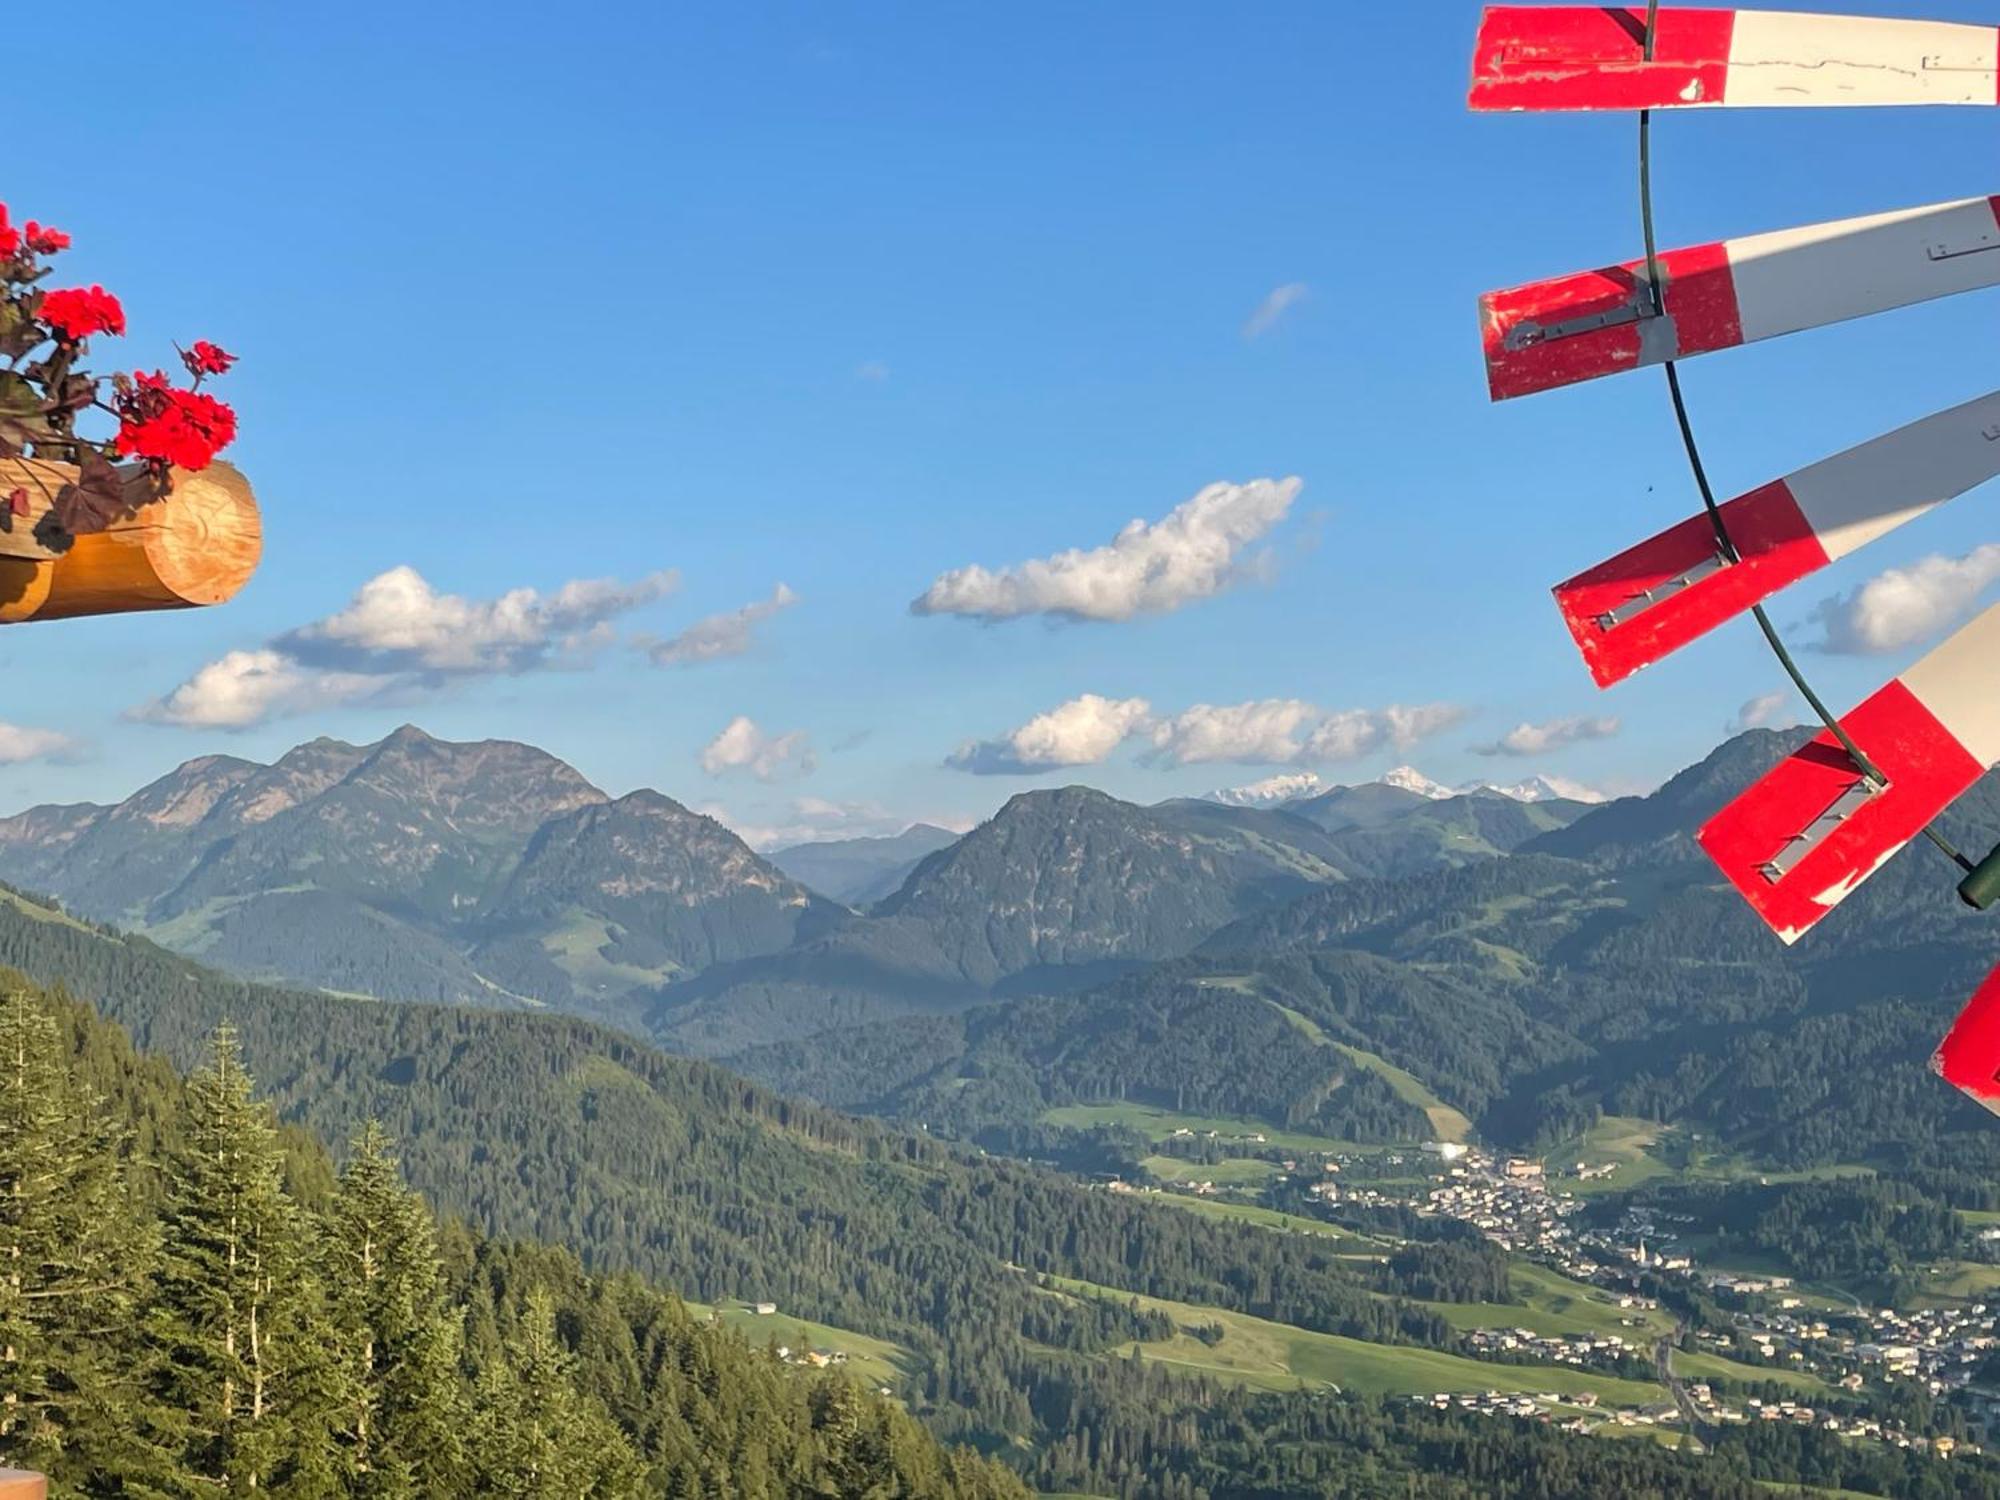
x=1656 y=290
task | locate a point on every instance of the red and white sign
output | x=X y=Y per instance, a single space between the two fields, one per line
x=1593 y=323
x=1647 y=602
x=1566 y=57
x=1803 y=839
x=1969 y=1058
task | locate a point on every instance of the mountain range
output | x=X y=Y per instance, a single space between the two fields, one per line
x=1599 y=968
x=492 y=873
x=1338 y=960
x=1300 y=786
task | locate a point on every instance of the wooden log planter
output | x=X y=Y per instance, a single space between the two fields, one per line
x=198 y=546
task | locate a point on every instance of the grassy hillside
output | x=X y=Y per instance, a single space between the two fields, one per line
x=1267 y=1355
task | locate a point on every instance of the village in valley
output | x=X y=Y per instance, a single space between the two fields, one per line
x=1726 y=1342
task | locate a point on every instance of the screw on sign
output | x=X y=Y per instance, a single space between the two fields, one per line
x=1806 y=836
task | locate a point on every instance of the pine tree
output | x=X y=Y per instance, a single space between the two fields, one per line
x=533 y=1433
x=72 y=1261
x=243 y=1390
x=398 y=1337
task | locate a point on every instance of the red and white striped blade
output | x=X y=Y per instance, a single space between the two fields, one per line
x=1803 y=839
x=1594 y=323
x=1568 y=57
x=1969 y=1057
x=1647 y=602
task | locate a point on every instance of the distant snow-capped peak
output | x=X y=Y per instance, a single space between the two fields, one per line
x=1296 y=786
x=1271 y=791
x=1410 y=779
x=1541 y=789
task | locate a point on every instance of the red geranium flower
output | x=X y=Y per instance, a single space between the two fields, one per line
x=207 y=359
x=165 y=425
x=79 y=312
x=10 y=237
x=44 y=240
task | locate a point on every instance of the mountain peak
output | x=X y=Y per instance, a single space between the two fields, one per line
x=1272 y=791
x=1410 y=779
x=1540 y=788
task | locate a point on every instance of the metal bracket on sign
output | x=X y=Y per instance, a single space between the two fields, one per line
x=1819 y=830
x=1638 y=604
x=1638 y=308
x=1977 y=245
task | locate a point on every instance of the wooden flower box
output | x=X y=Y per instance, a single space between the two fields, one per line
x=197 y=546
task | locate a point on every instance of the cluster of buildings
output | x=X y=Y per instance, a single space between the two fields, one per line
x=817 y=1359
x=1582 y=1414
x=1557 y=1349
x=1939 y=1349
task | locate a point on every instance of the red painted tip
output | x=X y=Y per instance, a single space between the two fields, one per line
x=1672 y=589
x=1969 y=1057
x=1927 y=771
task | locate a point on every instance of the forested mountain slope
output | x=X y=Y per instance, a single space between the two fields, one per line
x=194 y=1308
x=1603 y=968
x=157 y=1226
x=573 y=1134
x=1057 y=890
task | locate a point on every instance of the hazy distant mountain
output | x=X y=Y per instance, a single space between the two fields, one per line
x=860 y=872
x=415 y=869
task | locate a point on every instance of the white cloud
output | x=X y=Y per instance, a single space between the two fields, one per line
x=1556 y=734
x=398 y=623
x=1765 y=711
x=871 y=369
x=1194 y=553
x=1356 y=733
x=742 y=746
x=1273 y=308
x=1270 y=732
x=1081 y=732
x=20 y=744
x=399 y=635
x=1288 y=731
x=1905 y=605
x=244 y=688
x=731 y=633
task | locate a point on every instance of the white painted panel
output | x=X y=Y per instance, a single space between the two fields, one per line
x=1855 y=497
x=1783 y=57
x=1827 y=273
x=1960 y=684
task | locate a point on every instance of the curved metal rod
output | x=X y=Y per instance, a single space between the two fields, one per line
x=1657 y=290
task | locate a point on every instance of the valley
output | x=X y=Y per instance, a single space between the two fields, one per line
x=1522 y=1132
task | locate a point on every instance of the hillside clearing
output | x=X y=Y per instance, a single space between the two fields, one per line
x=1278 y=1357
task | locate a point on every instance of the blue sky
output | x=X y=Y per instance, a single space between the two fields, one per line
x=845 y=298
